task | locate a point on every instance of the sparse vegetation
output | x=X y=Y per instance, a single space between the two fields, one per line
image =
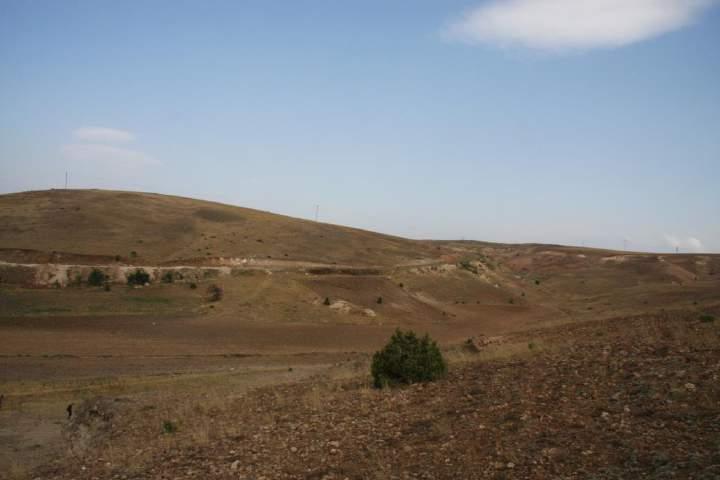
x=168 y=277
x=138 y=277
x=327 y=301
x=467 y=265
x=215 y=293
x=169 y=427
x=96 y=278
x=707 y=318
x=379 y=300
x=193 y=285
x=407 y=359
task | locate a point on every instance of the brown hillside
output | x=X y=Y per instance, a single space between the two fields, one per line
x=163 y=228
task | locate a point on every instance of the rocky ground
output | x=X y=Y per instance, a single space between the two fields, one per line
x=624 y=398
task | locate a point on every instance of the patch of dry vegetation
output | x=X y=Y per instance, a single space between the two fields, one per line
x=611 y=399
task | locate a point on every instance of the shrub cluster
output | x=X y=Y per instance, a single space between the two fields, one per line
x=138 y=277
x=96 y=278
x=407 y=359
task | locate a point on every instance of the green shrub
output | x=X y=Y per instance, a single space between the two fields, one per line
x=193 y=285
x=96 y=278
x=707 y=318
x=168 y=277
x=169 y=427
x=138 y=277
x=379 y=300
x=407 y=359
x=327 y=301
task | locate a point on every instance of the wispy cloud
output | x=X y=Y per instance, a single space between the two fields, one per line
x=559 y=25
x=691 y=244
x=103 y=135
x=107 y=154
x=95 y=148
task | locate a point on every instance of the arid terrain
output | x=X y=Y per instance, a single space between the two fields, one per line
x=565 y=362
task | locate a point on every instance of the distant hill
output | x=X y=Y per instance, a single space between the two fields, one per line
x=163 y=228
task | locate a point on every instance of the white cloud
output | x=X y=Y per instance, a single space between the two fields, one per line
x=103 y=134
x=689 y=244
x=573 y=24
x=107 y=154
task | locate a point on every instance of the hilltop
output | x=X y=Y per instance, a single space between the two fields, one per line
x=153 y=228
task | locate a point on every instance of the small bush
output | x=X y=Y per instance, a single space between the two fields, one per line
x=169 y=427
x=466 y=265
x=537 y=282
x=193 y=286
x=215 y=293
x=407 y=359
x=327 y=301
x=168 y=277
x=707 y=318
x=96 y=278
x=107 y=286
x=138 y=277
x=379 y=300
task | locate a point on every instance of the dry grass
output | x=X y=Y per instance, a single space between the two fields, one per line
x=164 y=228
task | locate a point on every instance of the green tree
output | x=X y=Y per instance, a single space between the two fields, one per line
x=407 y=359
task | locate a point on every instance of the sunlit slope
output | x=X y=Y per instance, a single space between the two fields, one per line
x=161 y=228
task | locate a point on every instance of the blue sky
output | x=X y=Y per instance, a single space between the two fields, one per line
x=557 y=121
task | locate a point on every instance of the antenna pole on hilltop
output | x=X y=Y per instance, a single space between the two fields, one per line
x=66 y=179
x=317 y=212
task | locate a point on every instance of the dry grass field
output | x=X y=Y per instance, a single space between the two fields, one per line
x=281 y=361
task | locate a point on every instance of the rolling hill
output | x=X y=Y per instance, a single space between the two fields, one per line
x=152 y=228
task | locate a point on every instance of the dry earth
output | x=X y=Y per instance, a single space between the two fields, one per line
x=626 y=398
x=600 y=366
